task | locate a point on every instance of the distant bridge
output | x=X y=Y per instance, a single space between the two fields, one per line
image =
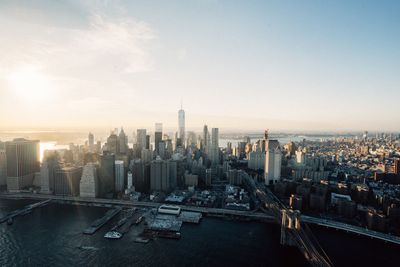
x=351 y=228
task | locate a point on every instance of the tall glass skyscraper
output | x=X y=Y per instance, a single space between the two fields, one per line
x=181 y=124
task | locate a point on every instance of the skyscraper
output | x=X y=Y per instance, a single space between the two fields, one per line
x=122 y=142
x=206 y=138
x=141 y=139
x=119 y=175
x=91 y=142
x=129 y=180
x=214 y=149
x=3 y=167
x=22 y=163
x=273 y=162
x=106 y=174
x=67 y=181
x=89 y=184
x=181 y=124
x=112 y=144
x=160 y=176
x=157 y=136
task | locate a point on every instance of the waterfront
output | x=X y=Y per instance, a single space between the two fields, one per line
x=52 y=236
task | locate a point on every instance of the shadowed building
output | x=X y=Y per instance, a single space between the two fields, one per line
x=22 y=163
x=67 y=180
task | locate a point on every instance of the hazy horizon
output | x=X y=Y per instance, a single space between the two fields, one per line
x=250 y=65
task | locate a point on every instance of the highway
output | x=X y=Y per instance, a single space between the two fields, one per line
x=112 y=202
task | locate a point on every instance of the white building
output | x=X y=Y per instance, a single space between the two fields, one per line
x=89 y=181
x=300 y=157
x=119 y=175
x=273 y=163
x=130 y=180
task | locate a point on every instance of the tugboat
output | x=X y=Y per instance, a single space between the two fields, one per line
x=113 y=235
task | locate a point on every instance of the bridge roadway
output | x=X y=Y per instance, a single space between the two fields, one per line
x=351 y=228
x=109 y=202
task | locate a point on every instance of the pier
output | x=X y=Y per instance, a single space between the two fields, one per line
x=10 y=216
x=97 y=224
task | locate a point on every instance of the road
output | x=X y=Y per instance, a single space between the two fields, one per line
x=109 y=202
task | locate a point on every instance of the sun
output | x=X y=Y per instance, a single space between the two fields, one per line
x=30 y=83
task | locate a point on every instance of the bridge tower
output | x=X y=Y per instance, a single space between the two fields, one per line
x=290 y=222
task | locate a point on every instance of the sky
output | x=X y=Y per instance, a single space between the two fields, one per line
x=282 y=65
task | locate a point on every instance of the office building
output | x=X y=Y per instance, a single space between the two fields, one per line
x=206 y=139
x=119 y=175
x=122 y=142
x=181 y=125
x=160 y=176
x=191 y=180
x=157 y=136
x=91 y=143
x=214 y=149
x=107 y=175
x=208 y=179
x=22 y=163
x=141 y=139
x=112 y=144
x=273 y=162
x=129 y=180
x=67 y=181
x=256 y=160
x=89 y=184
x=141 y=175
x=3 y=167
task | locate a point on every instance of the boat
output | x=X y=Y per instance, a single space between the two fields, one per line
x=10 y=221
x=113 y=235
x=142 y=240
x=88 y=248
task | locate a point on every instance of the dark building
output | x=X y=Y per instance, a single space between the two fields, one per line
x=396 y=167
x=141 y=175
x=106 y=174
x=147 y=141
x=23 y=161
x=347 y=208
x=66 y=181
x=296 y=202
x=157 y=136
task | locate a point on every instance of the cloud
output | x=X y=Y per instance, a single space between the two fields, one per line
x=101 y=50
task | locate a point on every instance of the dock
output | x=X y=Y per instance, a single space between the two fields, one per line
x=27 y=209
x=134 y=220
x=97 y=224
x=190 y=217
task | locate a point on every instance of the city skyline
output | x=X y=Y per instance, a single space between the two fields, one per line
x=299 y=66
